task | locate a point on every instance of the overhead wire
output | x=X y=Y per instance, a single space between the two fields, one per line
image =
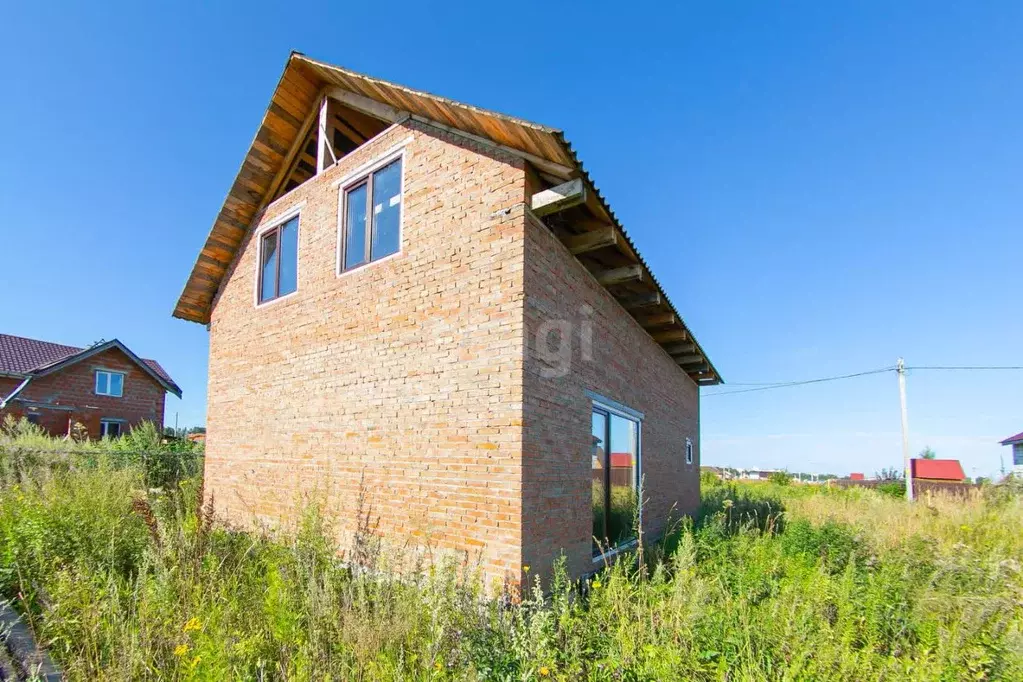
x=769 y=386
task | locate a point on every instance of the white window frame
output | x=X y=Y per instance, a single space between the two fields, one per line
x=398 y=152
x=614 y=407
x=293 y=212
x=689 y=450
x=108 y=372
x=104 y=424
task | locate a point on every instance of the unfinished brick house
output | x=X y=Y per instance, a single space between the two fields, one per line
x=429 y=307
x=105 y=388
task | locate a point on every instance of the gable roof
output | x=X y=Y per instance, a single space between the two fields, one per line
x=29 y=358
x=939 y=469
x=1012 y=440
x=288 y=118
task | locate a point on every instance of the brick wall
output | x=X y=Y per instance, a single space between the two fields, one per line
x=393 y=392
x=74 y=386
x=627 y=366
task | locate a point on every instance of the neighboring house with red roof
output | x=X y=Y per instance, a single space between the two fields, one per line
x=938 y=470
x=105 y=387
x=857 y=476
x=1017 y=452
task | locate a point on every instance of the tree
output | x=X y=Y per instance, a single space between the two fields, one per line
x=890 y=474
x=927 y=453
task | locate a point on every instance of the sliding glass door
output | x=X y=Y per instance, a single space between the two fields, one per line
x=615 y=471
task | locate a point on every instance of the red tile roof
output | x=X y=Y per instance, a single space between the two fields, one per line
x=856 y=476
x=21 y=356
x=1018 y=438
x=621 y=459
x=937 y=469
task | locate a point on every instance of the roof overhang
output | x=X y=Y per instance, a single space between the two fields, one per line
x=1013 y=440
x=302 y=86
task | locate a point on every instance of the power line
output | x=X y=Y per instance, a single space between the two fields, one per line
x=987 y=367
x=768 y=386
x=788 y=384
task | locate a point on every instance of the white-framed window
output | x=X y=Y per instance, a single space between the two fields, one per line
x=689 y=450
x=278 y=259
x=109 y=383
x=110 y=428
x=370 y=214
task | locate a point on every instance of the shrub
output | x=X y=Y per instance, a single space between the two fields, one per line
x=892 y=488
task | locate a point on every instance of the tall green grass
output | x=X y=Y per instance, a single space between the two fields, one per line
x=124 y=581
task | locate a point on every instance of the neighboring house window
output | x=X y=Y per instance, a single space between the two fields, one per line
x=109 y=383
x=371 y=208
x=109 y=427
x=689 y=451
x=32 y=419
x=615 y=466
x=278 y=261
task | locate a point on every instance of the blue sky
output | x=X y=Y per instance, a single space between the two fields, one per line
x=820 y=187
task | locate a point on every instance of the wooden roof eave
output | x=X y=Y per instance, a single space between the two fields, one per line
x=658 y=316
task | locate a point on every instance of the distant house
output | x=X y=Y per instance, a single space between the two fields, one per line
x=720 y=472
x=856 y=476
x=105 y=387
x=937 y=470
x=1017 y=452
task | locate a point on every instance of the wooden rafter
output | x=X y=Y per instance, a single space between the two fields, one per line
x=591 y=241
x=629 y=273
x=559 y=198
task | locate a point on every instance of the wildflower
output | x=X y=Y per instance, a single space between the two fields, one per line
x=437 y=665
x=544 y=671
x=595 y=584
x=195 y=661
x=192 y=624
x=180 y=650
x=728 y=504
x=526 y=568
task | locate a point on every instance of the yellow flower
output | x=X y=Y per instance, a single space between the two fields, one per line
x=193 y=624
x=526 y=568
x=595 y=584
x=181 y=650
x=544 y=671
x=195 y=661
x=437 y=665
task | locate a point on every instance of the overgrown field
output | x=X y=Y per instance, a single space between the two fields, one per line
x=124 y=577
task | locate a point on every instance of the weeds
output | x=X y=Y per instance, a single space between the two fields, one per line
x=767 y=582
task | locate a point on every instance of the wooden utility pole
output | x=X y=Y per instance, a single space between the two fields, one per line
x=900 y=367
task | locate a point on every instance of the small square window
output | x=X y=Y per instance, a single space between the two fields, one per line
x=33 y=418
x=109 y=428
x=109 y=383
x=689 y=450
